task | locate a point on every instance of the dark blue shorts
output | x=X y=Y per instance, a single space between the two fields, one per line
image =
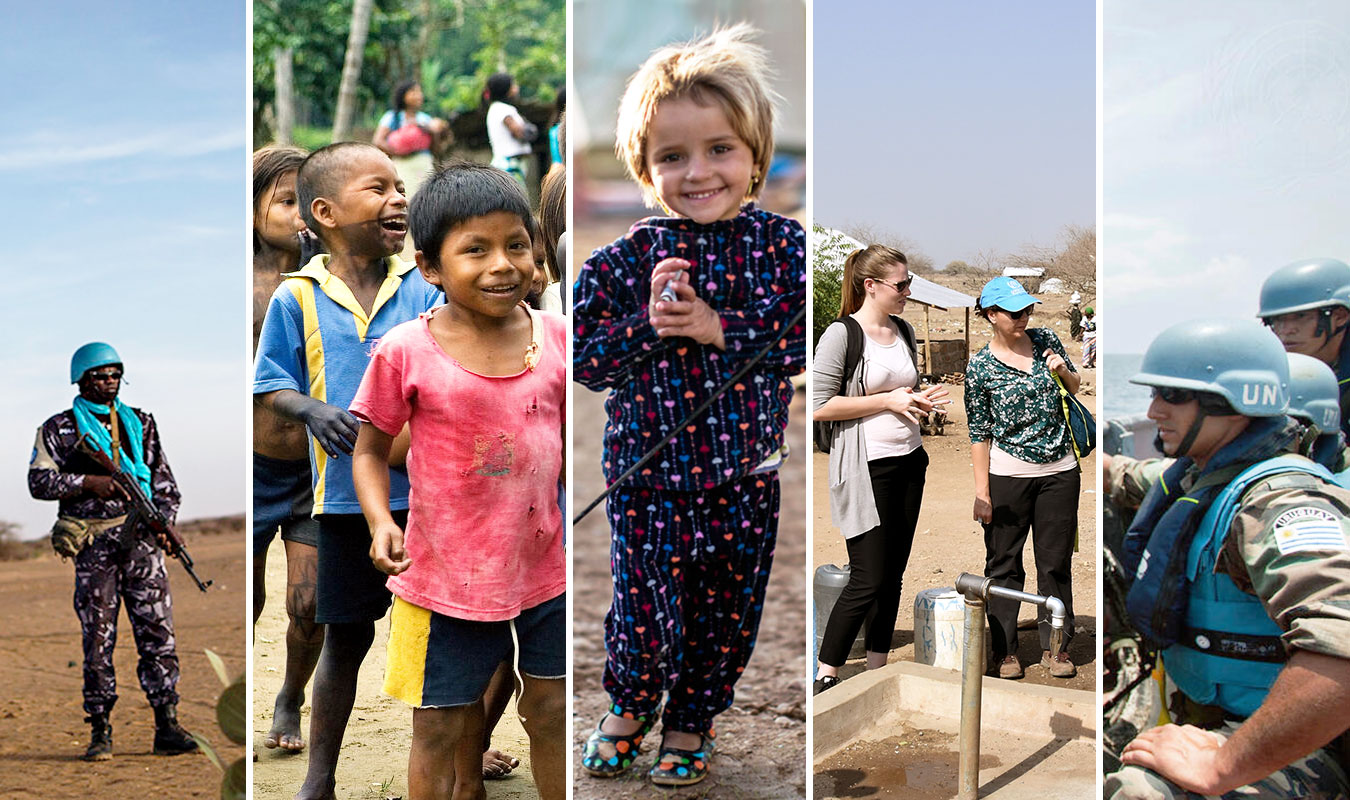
x=350 y=588
x=282 y=499
x=435 y=661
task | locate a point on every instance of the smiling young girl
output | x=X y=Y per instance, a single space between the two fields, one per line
x=481 y=384
x=693 y=535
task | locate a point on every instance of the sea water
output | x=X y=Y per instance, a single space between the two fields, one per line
x=1120 y=398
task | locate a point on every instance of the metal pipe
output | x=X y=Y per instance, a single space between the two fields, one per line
x=972 y=675
x=977 y=590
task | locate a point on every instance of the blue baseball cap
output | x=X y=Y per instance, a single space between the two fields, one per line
x=1005 y=293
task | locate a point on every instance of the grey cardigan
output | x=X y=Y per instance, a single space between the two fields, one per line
x=853 y=509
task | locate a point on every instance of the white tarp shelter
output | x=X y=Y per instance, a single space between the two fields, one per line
x=832 y=247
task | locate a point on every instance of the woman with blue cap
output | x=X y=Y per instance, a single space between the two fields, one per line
x=1026 y=474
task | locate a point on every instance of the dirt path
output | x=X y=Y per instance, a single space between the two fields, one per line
x=948 y=542
x=762 y=738
x=42 y=732
x=374 y=762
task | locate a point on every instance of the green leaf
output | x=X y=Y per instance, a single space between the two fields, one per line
x=208 y=750
x=219 y=666
x=233 y=785
x=230 y=711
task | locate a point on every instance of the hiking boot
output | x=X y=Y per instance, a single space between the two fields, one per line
x=1010 y=668
x=1060 y=666
x=170 y=738
x=100 y=738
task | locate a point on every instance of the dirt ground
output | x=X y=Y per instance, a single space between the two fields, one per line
x=42 y=732
x=948 y=541
x=374 y=762
x=761 y=749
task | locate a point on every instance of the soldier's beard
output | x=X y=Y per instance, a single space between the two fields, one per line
x=93 y=394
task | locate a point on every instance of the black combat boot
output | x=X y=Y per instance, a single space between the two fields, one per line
x=100 y=738
x=170 y=738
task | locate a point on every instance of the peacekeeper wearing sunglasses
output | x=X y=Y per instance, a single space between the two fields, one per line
x=1307 y=305
x=1027 y=478
x=116 y=561
x=1239 y=576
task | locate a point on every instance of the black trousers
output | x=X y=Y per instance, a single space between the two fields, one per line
x=877 y=560
x=1048 y=507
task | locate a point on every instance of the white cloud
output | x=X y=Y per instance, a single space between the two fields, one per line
x=60 y=147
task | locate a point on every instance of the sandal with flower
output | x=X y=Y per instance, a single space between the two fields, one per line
x=676 y=767
x=610 y=754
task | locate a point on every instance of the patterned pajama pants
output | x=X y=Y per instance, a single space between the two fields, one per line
x=106 y=574
x=690 y=570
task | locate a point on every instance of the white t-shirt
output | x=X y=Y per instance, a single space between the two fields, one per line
x=504 y=145
x=887 y=367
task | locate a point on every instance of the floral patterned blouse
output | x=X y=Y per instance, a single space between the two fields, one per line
x=1019 y=410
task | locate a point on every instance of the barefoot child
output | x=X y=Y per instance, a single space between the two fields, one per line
x=481 y=384
x=693 y=535
x=321 y=326
x=282 y=497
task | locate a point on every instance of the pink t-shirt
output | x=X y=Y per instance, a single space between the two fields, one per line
x=484 y=531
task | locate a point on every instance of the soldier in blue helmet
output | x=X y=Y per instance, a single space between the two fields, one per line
x=1307 y=305
x=115 y=562
x=1240 y=578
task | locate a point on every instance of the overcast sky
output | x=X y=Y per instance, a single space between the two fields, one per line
x=123 y=156
x=961 y=126
x=1226 y=141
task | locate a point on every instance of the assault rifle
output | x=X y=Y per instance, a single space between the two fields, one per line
x=143 y=511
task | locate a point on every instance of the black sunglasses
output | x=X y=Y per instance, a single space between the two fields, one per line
x=898 y=286
x=1172 y=395
x=111 y=375
x=1017 y=314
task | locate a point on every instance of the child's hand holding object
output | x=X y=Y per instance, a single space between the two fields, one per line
x=687 y=315
x=386 y=549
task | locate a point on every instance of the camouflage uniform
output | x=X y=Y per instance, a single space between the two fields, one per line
x=118 y=565
x=1305 y=591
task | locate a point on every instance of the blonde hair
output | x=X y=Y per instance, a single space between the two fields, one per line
x=725 y=69
x=870 y=262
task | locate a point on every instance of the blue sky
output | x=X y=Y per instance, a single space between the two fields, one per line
x=960 y=126
x=124 y=157
x=1227 y=146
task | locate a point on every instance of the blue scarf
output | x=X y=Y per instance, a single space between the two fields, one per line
x=133 y=434
x=1167 y=523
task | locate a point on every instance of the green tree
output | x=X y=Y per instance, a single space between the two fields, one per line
x=451 y=46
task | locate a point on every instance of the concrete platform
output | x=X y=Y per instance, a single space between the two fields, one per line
x=892 y=732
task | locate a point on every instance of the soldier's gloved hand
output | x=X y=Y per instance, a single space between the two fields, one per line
x=104 y=486
x=334 y=428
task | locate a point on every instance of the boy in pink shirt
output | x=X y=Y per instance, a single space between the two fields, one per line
x=481 y=384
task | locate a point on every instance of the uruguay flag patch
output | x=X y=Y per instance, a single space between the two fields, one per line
x=1304 y=529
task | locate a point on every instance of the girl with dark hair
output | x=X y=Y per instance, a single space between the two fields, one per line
x=1026 y=474
x=407 y=133
x=877 y=460
x=508 y=132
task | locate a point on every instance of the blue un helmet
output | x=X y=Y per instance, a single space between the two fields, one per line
x=94 y=354
x=1305 y=285
x=1238 y=367
x=1314 y=395
x=1314 y=400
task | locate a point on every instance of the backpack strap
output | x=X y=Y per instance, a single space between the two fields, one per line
x=907 y=333
x=852 y=350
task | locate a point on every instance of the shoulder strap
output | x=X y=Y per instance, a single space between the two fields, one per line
x=852 y=350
